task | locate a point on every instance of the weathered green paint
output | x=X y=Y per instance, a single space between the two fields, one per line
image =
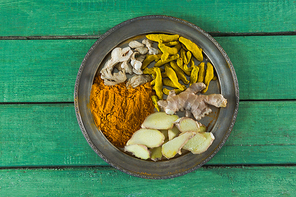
x=33 y=135
x=45 y=70
x=263 y=134
x=40 y=71
x=26 y=18
x=217 y=181
x=264 y=65
x=47 y=137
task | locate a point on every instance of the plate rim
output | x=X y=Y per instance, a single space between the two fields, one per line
x=170 y=18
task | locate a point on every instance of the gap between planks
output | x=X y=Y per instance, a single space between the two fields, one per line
x=36 y=103
x=207 y=166
x=72 y=102
x=81 y=37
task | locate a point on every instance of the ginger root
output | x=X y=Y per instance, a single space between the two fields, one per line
x=185 y=124
x=174 y=146
x=138 y=150
x=159 y=120
x=148 y=137
x=200 y=142
x=173 y=132
x=156 y=154
x=198 y=105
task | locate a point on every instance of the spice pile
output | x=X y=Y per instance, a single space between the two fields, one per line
x=119 y=111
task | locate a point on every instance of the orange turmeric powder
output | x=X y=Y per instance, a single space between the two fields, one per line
x=118 y=112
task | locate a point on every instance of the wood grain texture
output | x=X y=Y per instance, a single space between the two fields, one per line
x=42 y=150
x=42 y=135
x=45 y=70
x=263 y=134
x=265 y=66
x=245 y=181
x=40 y=71
x=85 y=17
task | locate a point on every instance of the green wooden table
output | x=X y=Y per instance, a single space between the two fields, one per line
x=42 y=150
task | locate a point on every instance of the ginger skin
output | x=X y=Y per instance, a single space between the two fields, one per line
x=198 y=105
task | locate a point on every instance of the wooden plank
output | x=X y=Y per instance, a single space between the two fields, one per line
x=43 y=135
x=264 y=65
x=250 y=154
x=21 y=18
x=40 y=71
x=45 y=70
x=245 y=181
x=263 y=134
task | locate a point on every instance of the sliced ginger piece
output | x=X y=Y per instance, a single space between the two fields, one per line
x=138 y=150
x=202 y=128
x=156 y=153
x=174 y=146
x=148 y=137
x=159 y=120
x=165 y=133
x=187 y=124
x=173 y=132
x=194 y=142
x=200 y=142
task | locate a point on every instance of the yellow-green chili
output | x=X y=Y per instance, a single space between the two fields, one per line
x=180 y=73
x=209 y=76
x=201 y=73
x=191 y=46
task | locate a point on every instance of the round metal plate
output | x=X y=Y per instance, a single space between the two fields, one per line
x=227 y=85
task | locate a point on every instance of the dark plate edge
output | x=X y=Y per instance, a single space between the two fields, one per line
x=77 y=111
